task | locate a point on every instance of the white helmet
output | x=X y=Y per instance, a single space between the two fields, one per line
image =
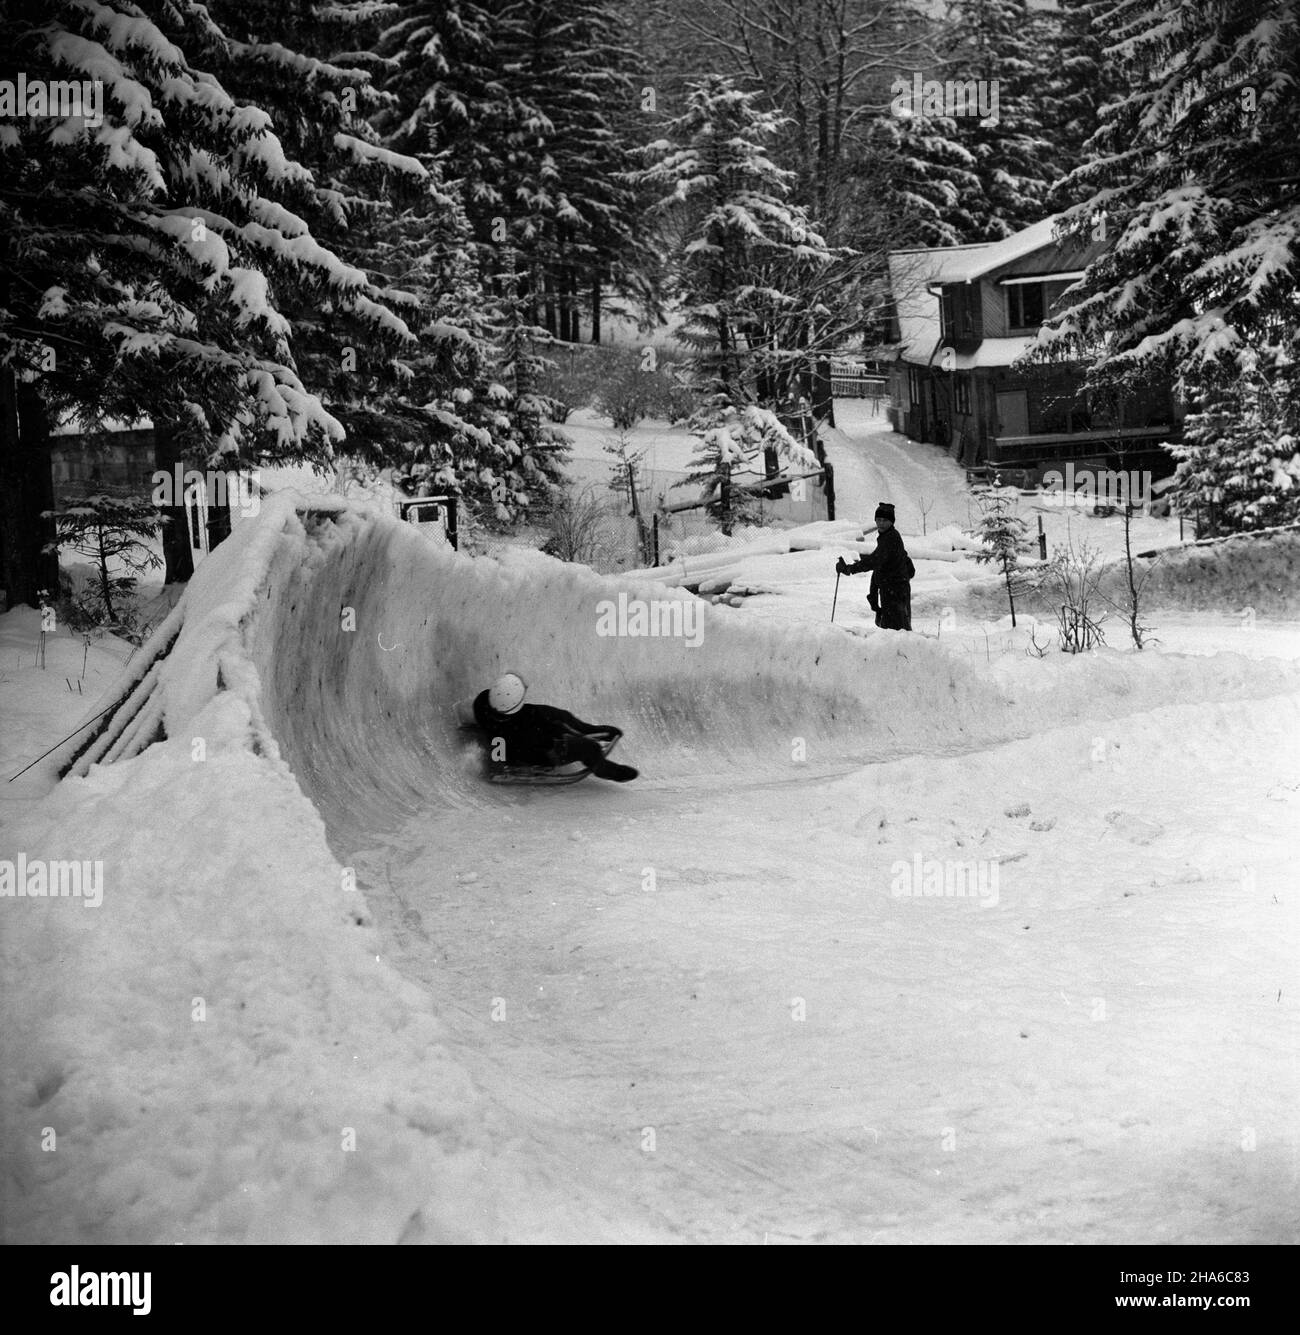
x=506 y=694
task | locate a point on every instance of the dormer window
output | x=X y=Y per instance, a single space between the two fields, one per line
x=1026 y=303
x=956 y=313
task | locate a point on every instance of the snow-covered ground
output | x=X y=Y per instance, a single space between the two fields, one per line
x=664 y=446
x=717 y=1004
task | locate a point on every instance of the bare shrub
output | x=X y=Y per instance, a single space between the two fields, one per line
x=1073 y=578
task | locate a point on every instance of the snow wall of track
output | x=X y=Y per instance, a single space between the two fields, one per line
x=354 y=640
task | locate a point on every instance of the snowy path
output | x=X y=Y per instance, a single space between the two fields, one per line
x=873 y=463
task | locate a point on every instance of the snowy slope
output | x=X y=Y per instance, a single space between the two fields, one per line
x=695 y=1007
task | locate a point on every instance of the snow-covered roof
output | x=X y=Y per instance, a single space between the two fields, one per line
x=993 y=352
x=70 y=426
x=911 y=273
x=981 y=260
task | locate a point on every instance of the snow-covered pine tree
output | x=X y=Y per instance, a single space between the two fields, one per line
x=731 y=438
x=528 y=106
x=1196 y=182
x=448 y=426
x=476 y=260
x=458 y=98
x=1003 y=45
x=1080 y=80
x=146 y=253
x=1239 y=463
x=819 y=64
x=919 y=173
x=365 y=192
x=744 y=250
x=115 y=532
x=1004 y=536
x=531 y=451
x=364 y=195
x=567 y=58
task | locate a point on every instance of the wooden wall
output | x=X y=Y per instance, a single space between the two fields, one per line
x=118 y=463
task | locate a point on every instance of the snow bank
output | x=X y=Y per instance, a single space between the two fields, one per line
x=1261 y=571
x=220 y=1052
x=201 y=1043
x=1248 y=571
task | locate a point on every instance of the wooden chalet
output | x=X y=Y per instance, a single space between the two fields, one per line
x=961 y=318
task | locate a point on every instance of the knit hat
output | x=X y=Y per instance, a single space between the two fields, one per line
x=885 y=511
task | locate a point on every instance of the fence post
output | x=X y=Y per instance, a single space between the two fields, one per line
x=655 y=534
x=828 y=473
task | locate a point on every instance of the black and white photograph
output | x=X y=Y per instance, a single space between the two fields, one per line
x=660 y=623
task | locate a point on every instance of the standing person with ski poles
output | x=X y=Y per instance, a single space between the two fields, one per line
x=890 y=596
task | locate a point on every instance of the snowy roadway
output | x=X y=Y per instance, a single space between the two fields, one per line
x=873 y=464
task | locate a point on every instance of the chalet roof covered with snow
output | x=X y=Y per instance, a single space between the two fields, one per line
x=994 y=352
x=911 y=275
x=914 y=274
x=993 y=255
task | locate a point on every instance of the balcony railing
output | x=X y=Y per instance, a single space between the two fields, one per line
x=1097 y=434
x=1054 y=445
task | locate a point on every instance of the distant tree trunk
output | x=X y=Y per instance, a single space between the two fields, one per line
x=765 y=385
x=568 y=322
x=178 y=559
x=219 y=524
x=823 y=400
x=595 y=307
x=565 y=305
x=26 y=489
x=548 y=304
x=105 y=586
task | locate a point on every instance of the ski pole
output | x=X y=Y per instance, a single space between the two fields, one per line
x=837 y=596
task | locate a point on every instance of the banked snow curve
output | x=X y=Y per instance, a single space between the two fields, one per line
x=353 y=639
x=368 y=718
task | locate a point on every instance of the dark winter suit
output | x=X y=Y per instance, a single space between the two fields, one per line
x=891 y=589
x=542 y=735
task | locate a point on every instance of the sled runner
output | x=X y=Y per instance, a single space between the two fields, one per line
x=547 y=776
